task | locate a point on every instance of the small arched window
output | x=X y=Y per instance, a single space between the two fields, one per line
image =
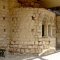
x=44 y=28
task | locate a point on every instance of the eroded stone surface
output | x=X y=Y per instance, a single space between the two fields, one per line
x=21 y=29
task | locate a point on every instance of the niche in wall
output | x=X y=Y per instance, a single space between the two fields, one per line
x=3 y=18
x=12 y=30
x=4 y=30
x=33 y=18
x=12 y=18
x=3 y=7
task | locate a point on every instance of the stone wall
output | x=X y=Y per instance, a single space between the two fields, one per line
x=58 y=31
x=21 y=28
x=4 y=25
x=26 y=30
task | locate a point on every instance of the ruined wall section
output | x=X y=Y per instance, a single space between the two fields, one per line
x=26 y=30
x=4 y=24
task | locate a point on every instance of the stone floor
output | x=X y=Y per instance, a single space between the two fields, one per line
x=20 y=57
x=55 y=56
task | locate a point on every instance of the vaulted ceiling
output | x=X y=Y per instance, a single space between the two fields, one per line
x=40 y=3
x=51 y=3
